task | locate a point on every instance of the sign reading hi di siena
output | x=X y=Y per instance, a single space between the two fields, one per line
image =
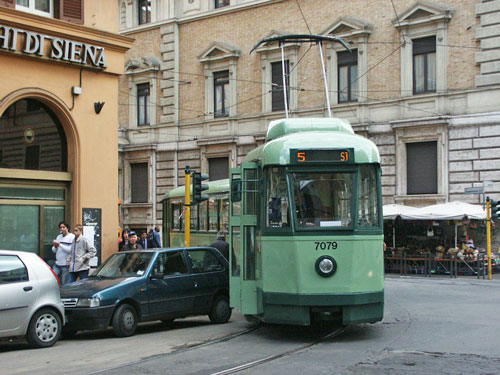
x=32 y=43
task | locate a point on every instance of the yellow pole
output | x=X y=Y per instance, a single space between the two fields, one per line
x=187 y=205
x=488 y=235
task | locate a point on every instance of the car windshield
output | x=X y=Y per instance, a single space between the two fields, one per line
x=323 y=200
x=125 y=265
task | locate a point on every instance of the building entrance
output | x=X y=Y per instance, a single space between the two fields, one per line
x=34 y=182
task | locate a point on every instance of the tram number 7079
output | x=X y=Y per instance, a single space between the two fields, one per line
x=325 y=245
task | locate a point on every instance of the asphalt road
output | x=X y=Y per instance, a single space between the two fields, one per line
x=431 y=326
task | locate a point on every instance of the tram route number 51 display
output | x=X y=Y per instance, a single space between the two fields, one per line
x=325 y=245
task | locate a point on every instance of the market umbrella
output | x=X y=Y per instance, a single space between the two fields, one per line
x=450 y=211
x=393 y=211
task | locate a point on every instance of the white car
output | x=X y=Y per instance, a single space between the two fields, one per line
x=30 y=302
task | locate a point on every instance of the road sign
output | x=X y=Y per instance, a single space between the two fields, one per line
x=474 y=190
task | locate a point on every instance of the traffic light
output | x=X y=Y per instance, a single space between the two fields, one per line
x=198 y=187
x=494 y=209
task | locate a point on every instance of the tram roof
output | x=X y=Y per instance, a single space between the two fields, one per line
x=312 y=133
x=214 y=187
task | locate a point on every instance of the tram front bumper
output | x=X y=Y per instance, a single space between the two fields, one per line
x=355 y=308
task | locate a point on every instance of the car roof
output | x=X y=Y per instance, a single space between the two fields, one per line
x=166 y=249
x=17 y=252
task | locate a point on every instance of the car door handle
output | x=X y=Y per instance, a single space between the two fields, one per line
x=28 y=288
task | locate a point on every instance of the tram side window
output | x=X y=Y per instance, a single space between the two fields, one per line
x=203 y=216
x=224 y=214
x=368 y=197
x=277 y=198
x=213 y=222
x=194 y=217
x=176 y=217
x=236 y=206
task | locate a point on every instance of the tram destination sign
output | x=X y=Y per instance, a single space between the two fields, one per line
x=44 y=46
x=307 y=156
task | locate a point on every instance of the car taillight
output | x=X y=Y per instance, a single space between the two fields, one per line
x=53 y=273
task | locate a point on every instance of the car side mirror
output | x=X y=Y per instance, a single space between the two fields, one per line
x=236 y=190
x=157 y=275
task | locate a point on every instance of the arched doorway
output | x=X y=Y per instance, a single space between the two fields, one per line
x=34 y=184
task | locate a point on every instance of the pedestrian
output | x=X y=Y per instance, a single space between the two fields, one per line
x=124 y=240
x=79 y=258
x=156 y=237
x=145 y=241
x=62 y=248
x=221 y=244
x=132 y=242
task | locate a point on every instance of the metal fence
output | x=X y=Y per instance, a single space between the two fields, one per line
x=427 y=264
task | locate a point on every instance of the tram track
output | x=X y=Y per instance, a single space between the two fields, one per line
x=177 y=359
x=274 y=357
x=179 y=350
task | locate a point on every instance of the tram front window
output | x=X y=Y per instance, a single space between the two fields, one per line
x=323 y=200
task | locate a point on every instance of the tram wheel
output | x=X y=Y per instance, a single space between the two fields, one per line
x=220 y=312
x=251 y=319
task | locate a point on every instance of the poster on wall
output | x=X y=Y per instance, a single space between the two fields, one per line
x=92 y=230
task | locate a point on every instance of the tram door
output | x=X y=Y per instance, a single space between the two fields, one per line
x=244 y=211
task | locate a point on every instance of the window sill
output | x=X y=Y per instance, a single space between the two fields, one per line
x=420 y=199
x=137 y=205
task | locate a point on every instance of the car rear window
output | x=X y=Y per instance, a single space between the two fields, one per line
x=12 y=270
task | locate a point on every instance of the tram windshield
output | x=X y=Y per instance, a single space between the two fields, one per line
x=323 y=199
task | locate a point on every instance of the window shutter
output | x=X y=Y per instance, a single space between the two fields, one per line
x=218 y=168
x=421 y=172
x=139 y=182
x=8 y=3
x=71 y=11
x=424 y=45
x=347 y=58
x=278 y=103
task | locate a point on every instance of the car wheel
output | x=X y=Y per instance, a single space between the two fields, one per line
x=124 y=321
x=220 y=312
x=44 y=329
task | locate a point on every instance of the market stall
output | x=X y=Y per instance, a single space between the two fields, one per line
x=428 y=237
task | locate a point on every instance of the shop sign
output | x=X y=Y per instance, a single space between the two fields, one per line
x=32 y=43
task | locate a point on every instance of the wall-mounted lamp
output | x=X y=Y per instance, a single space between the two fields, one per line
x=98 y=106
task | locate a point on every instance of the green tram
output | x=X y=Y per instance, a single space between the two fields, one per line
x=305 y=225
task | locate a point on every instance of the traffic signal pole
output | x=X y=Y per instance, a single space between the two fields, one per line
x=187 y=205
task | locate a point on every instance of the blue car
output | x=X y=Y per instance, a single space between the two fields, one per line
x=147 y=285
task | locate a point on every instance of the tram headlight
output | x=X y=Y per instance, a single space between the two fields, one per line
x=326 y=266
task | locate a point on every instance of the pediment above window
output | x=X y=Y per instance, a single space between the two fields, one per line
x=219 y=51
x=274 y=45
x=423 y=12
x=345 y=27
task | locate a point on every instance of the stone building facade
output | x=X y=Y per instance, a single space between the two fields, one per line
x=422 y=81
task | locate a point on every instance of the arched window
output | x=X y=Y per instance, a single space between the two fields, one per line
x=31 y=137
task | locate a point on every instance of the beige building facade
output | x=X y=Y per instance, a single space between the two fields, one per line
x=422 y=81
x=61 y=61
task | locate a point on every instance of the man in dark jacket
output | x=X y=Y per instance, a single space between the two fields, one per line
x=221 y=244
x=132 y=242
x=145 y=241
